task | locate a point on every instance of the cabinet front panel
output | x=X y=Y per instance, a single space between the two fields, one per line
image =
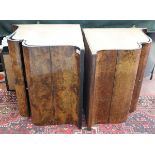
x=103 y=88
x=53 y=75
x=125 y=75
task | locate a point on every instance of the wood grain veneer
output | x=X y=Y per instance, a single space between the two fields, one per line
x=140 y=74
x=20 y=86
x=53 y=76
x=114 y=67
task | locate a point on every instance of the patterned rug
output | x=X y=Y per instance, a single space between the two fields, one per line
x=141 y=121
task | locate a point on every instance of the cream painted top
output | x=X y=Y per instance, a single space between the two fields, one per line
x=115 y=38
x=49 y=35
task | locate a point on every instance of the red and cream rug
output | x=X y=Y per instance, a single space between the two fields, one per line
x=141 y=121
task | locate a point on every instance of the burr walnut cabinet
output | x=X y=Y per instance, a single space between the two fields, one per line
x=115 y=60
x=48 y=65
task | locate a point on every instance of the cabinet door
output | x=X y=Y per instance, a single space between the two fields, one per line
x=53 y=76
x=125 y=75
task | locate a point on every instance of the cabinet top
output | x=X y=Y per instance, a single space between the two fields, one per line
x=115 y=38
x=49 y=35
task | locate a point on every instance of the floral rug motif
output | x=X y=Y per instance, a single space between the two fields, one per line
x=141 y=121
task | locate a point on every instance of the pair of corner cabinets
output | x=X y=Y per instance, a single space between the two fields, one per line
x=54 y=83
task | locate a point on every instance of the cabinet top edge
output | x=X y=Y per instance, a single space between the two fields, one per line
x=99 y=39
x=49 y=35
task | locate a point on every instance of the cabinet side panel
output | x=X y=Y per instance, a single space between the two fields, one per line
x=125 y=75
x=140 y=74
x=89 y=75
x=103 y=88
x=9 y=71
x=15 y=53
x=38 y=72
x=66 y=84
